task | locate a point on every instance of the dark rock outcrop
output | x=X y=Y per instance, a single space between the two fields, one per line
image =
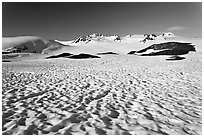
x=6 y=61
x=83 y=56
x=108 y=53
x=169 y=48
x=167 y=52
x=173 y=58
x=88 y=38
x=118 y=38
x=131 y=52
x=82 y=38
x=60 y=55
x=6 y=52
x=148 y=37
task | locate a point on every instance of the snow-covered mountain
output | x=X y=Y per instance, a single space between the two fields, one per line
x=29 y=44
x=96 y=43
x=96 y=37
x=157 y=36
x=92 y=44
x=89 y=38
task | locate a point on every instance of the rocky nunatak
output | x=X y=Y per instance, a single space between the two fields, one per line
x=168 y=48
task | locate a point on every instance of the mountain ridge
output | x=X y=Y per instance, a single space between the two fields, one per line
x=91 y=44
x=97 y=37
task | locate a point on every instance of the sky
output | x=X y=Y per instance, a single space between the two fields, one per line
x=69 y=20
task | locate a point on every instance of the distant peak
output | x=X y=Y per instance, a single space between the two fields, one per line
x=129 y=35
x=95 y=34
x=167 y=34
x=96 y=37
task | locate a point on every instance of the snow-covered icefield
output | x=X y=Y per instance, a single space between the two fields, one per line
x=115 y=94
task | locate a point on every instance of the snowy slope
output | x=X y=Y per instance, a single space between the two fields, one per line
x=29 y=44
